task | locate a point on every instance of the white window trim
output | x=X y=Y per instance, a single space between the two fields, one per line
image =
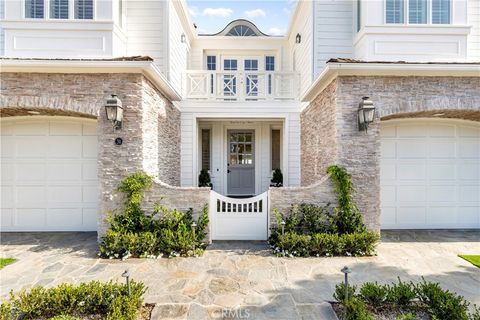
x=406 y=15
x=71 y=12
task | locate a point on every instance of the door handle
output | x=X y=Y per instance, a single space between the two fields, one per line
x=228 y=170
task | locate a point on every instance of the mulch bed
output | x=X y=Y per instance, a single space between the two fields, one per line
x=387 y=312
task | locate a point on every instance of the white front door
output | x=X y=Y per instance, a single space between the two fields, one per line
x=49 y=174
x=430 y=174
x=241 y=162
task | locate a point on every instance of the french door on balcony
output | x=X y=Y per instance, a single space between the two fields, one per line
x=240 y=77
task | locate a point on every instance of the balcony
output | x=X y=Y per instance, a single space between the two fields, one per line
x=240 y=85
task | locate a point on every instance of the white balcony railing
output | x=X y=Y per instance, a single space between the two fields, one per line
x=240 y=85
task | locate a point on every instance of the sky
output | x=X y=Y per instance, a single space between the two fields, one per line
x=270 y=16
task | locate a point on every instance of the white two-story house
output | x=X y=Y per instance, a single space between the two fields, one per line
x=239 y=104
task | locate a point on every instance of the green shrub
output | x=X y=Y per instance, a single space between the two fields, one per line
x=442 y=304
x=93 y=298
x=64 y=317
x=408 y=316
x=347 y=218
x=401 y=294
x=355 y=309
x=323 y=244
x=339 y=294
x=294 y=244
x=476 y=313
x=204 y=179
x=315 y=219
x=360 y=243
x=373 y=294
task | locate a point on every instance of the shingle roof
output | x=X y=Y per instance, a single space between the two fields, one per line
x=131 y=58
x=347 y=60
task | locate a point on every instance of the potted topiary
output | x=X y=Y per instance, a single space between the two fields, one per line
x=277 y=178
x=204 y=179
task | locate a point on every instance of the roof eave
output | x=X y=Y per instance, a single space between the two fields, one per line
x=147 y=68
x=334 y=69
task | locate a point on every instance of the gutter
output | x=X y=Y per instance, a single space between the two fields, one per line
x=336 y=69
x=147 y=68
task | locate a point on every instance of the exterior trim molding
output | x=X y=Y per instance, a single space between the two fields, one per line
x=147 y=68
x=334 y=70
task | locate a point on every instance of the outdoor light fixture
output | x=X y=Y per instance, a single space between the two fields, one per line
x=126 y=274
x=345 y=270
x=114 y=111
x=183 y=39
x=366 y=113
x=298 y=38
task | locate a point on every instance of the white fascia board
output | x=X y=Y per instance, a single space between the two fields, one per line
x=57 y=24
x=334 y=70
x=147 y=68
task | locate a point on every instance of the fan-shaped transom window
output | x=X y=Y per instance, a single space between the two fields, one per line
x=241 y=31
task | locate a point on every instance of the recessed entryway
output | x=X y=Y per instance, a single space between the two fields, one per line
x=49 y=174
x=430 y=174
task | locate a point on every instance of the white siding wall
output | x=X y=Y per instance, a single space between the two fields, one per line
x=333 y=31
x=293 y=145
x=2 y=35
x=473 y=45
x=303 y=53
x=147 y=22
x=187 y=143
x=177 y=51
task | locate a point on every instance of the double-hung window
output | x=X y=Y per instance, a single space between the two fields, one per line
x=394 y=11
x=211 y=66
x=83 y=9
x=35 y=9
x=59 y=9
x=418 y=11
x=270 y=66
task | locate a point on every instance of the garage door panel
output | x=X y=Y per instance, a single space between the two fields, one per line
x=442 y=216
x=6 y=217
x=411 y=149
x=30 y=172
x=6 y=130
x=64 y=171
x=441 y=172
x=442 y=130
x=90 y=147
x=30 y=195
x=435 y=172
x=31 y=128
x=90 y=194
x=65 y=217
x=7 y=146
x=411 y=215
x=65 y=147
x=65 y=128
x=411 y=171
x=89 y=218
x=442 y=193
x=7 y=170
x=89 y=129
x=442 y=150
x=388 y=149
x=469 y=193
x=89 y=170
x=411 y=131
x=469 y=149
x=64 y=194
x=30 y=217
x=31 y=147
x=7 y=193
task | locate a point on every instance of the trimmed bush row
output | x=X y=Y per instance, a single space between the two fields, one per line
x=404 y=296
x=133 y=233
x=324 y=244
x=110 y=300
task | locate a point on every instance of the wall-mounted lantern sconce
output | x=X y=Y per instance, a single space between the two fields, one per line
x=298 y=38
x=114 y=110
x=183 y=38
x=366 y=113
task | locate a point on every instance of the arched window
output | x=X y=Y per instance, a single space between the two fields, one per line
x=240 y=28
x=241 y=31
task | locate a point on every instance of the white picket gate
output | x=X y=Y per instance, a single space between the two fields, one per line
x=239 y=218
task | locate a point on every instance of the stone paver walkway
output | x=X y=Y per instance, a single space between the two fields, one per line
x=243 y=279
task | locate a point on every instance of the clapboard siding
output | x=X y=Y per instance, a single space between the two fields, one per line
x=147 y=30
x=177 y=53
x=294 y=149
x=473 y=44
x=333 y=29
x=2 y=35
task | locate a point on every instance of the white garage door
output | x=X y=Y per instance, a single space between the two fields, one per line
x=49 y=174
x=430 y=174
